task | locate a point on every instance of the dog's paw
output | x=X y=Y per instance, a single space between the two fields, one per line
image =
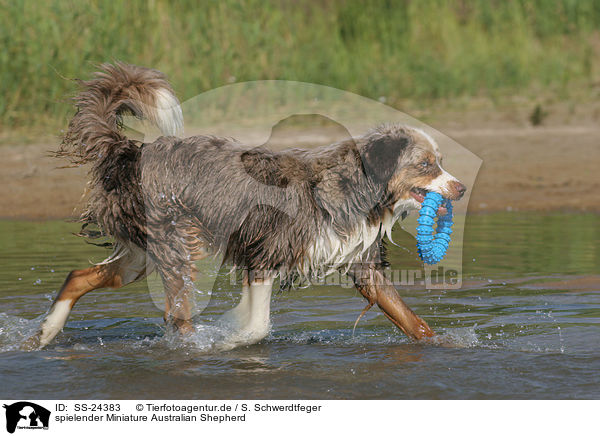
x=32 y=343
x=421 y=329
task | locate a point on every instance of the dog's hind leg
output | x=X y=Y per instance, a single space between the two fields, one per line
x=77 y=284
x=249 y=321
x=178 y=307
x=116 y=274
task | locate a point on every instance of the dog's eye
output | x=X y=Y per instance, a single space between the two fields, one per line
x=424 y=164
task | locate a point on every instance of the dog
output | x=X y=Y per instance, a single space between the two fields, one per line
x=169 y=203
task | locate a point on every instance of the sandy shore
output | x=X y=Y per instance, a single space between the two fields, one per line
x=548 y=168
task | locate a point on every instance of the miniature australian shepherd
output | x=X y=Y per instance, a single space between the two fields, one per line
x=169 y=203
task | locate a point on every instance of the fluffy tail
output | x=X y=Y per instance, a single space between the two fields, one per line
x=117 y=89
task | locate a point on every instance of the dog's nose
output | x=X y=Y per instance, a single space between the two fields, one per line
x=458 y=189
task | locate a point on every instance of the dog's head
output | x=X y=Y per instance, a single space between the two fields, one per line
x=408 y=163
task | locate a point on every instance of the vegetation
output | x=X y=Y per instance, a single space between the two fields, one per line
x=401 y=50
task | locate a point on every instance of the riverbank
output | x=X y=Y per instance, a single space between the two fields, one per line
x=552 y=167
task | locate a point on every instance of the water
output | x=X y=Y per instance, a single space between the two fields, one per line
x=524 y=325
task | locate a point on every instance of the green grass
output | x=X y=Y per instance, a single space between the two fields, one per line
x=402 y=50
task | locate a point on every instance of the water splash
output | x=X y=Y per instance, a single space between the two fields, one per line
x=15 y=330
x=464 y=337
x=214 y=337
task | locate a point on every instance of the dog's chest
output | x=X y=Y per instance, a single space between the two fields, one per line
x=331 y=251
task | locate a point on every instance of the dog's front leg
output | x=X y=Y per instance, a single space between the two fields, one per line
x=249 y=321
x=372 y=283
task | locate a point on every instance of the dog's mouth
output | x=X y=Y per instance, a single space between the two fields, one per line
x=419 y=195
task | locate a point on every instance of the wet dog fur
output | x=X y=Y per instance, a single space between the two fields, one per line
x=171 y=202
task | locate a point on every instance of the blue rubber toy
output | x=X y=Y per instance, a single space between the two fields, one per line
x=432 y=248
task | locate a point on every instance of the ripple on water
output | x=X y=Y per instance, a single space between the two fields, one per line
x=526 y=324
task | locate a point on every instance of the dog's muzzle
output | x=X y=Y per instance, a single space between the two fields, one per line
x=456 y=190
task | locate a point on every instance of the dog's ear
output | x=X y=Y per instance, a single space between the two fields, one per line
x=381 y=156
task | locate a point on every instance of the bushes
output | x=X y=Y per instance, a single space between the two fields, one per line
x=398 y=49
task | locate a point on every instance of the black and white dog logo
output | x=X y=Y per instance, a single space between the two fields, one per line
x=26 y=415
